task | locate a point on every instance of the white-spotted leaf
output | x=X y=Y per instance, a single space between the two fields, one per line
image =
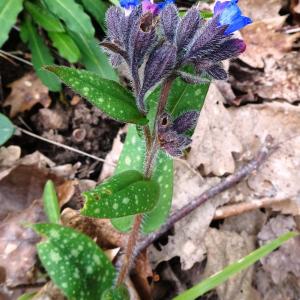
x=132 y=157
x=119 y=197
x=74 y=262
x=116 y=293
x=107 y=95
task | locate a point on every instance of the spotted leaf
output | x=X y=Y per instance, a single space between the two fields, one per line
x=122 y=195
x=74 y=262
x=132 y=157
x=116 y=293
x=107 y=95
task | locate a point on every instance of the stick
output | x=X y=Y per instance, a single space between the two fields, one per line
x=222 y=186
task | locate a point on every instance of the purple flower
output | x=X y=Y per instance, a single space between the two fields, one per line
x=129 y=4
x=147 y=5
x=231 y=15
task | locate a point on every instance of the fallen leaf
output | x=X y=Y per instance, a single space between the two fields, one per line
x=27 y=92
x=224 y=248
x=9 y=155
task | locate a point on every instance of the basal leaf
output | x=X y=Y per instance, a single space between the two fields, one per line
x=107 y=95
x=92 y=56
x=44 y=18
x=74 y=262
x=9 y=10
x=7 y=129
x=73 y=15
x=116 y=199
x=40 y=55
x=132 y=157
x=50 y=201
x=97 y=8
x=65 y=46
x=218 y=278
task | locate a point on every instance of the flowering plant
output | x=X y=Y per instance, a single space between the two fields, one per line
x=171 y=61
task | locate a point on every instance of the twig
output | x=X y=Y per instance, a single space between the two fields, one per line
x=16 y=57
x=240 y=208
x=222 y=186
x=64 y=146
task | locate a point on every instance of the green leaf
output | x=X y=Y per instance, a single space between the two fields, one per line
x=7 y=129
x=9 y=10
x=73 y=15
x=117 y=293
x=65 y=46
x=43 y=17
x=27 y=296
x=121 y=195
x=51 y=205
x=132 y=157
x=218 y=278
x=74 y=262
x=97 y=8
x=107 y=95
x=40 y=55
x=93 y=58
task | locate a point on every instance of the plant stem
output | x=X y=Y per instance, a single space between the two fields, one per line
x=151 y=151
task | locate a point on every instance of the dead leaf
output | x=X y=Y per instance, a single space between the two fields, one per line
x=214 y=138
x=9 y=155
x=264 y=40
x=17 y=245
x=224 y=248
x=27 y=92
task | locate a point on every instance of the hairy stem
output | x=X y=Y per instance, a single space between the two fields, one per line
x=151 y=151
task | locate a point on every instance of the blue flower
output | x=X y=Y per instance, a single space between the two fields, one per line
x=231 y=15
x=129 y=4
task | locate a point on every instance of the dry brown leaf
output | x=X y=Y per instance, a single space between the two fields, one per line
x=261 y=9
x=17 y=245
x=9 y=155
x=27 y=92
x=263 y=40
x=224 y=248
x=214 y=140
x=100 y=230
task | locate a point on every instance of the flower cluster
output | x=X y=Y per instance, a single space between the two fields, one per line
x=156 y=44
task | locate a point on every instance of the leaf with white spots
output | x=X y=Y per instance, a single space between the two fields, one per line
x=116 y=293
x=74 y=262
x=109 y=96
x=124 y=194
x=132 y=158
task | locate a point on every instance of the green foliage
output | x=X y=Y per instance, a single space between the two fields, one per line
x=218 y=278
x=73 y=15
x=44 y=17
x=93 y=58
x=132 y=158
x=40 y=55
x=65 y=46
x=97 y=8
x=9 y=10
x=27 y=296
x=74 y=262
x=124 y=194
x=7 y=129
x=51 y=205
x=107 y=95
x=118 y=293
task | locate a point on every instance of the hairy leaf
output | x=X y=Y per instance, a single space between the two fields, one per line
x=169 y=21
x=65 y=46
x=74 y=262
x=50 y=201
x=44 y=18
x=9 y=10
x=73 y=15
x=107 y=95
x=132 y=158
x=107 y=202
x=93 y=57
x=7 y=129
x=40 y=55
